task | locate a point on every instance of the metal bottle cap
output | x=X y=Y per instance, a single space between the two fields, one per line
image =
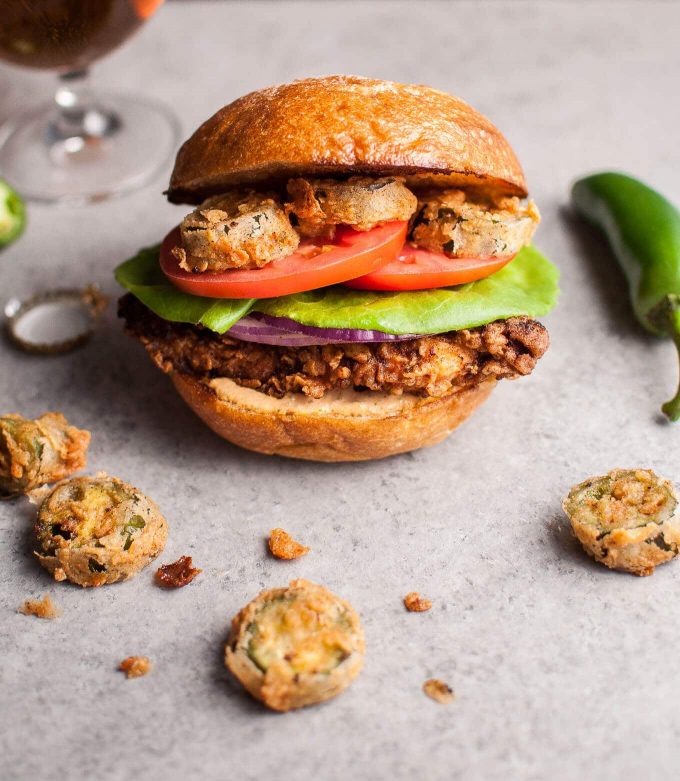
x=56 y=321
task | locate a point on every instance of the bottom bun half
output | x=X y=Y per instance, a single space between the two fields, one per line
x=342 y=426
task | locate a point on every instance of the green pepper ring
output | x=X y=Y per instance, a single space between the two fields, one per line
x=12 y=215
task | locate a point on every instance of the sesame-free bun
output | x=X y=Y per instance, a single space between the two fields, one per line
x=341 y=125
x=342 y=426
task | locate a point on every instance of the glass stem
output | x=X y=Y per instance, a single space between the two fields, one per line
x=78 y=116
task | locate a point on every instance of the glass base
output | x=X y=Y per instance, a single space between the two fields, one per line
x=126 y=142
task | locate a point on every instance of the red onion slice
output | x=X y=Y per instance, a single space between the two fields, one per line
x=281 y=331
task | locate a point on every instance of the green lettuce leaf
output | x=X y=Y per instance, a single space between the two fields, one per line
x=143 y=277
x=526 y=286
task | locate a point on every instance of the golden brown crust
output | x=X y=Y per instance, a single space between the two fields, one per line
x=36 y=452
x=319 y=205
x=40 y=608
x=342 y=125
x=628 y=519
x=328 y=432
x=315 y=622
x=439 y=691
x=283 y=546
x=427 y=366
x=97 y=530
x=414 y=603
x=449 y=222
x=235 y=231
x=135 y=666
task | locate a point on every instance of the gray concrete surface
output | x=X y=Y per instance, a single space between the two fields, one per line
x=562 y=669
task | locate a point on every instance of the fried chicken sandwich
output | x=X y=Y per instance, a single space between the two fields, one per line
x=356 y=273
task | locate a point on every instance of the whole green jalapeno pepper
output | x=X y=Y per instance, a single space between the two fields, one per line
x=643 y=229
x=12 y=214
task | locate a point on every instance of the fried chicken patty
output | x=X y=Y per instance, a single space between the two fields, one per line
x=427 y=366
x=318 y=205
x=450 y=223
x=235 y=230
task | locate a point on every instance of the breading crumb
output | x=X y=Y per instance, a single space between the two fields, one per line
x=177 y=574
x=40 y=608
x=438 y=691
x=136 y=666
x=283 y=546
x=415 y=603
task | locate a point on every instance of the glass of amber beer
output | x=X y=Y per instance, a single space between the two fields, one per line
x=83 y=146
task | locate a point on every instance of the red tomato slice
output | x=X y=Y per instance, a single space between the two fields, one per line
x=420 y=269
x=315 y=264
x=145 y=8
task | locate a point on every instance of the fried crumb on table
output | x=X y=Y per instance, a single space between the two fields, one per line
x=283 y=546
x=178 y=574
x=135 y=666
x=40 y=608
x=414 y=603
x=438 y=691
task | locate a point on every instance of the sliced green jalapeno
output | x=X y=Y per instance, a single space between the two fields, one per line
x=12 y=214
x=643 y=229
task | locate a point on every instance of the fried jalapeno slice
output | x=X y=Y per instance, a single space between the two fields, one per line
x=627 y=519
x=239 y=230
x=450 y=223
x=295 y=646
x=235 y=231
x=98 y=530
x=318 y=205
x=35 y=452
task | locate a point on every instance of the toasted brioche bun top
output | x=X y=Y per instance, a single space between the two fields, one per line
x=342 y=125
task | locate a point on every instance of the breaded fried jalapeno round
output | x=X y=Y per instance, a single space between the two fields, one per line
x=35 y=452
x=627 y=519
x=318 y=206
x=450 y=223
x=235 y=231
x=295 y=646
x=98 y=530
